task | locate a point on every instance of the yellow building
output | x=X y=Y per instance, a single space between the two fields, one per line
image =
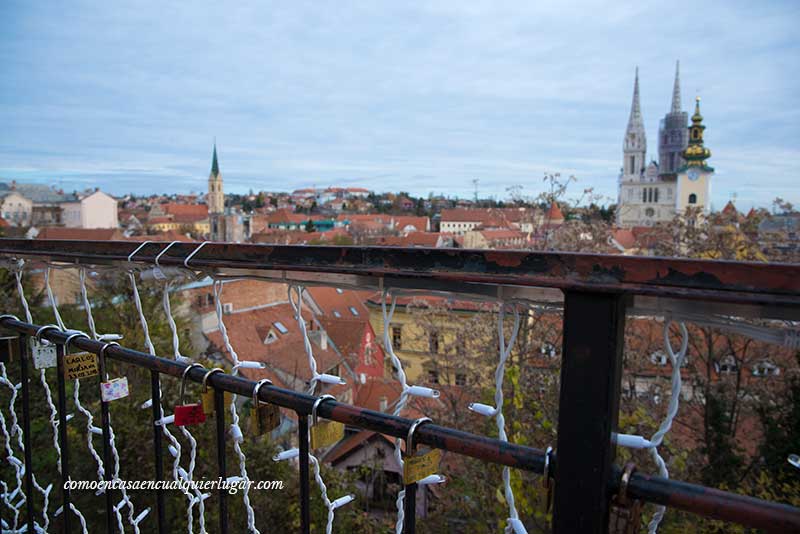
x=694 y=178
x=436 y=340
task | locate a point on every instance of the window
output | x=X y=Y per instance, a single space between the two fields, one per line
x=433 y=376
x=766 y=368
x=692 y=199
x=336 y=314
x=271 y=338
x=227 y=307
x=200 y=300
x=339 y=290
x=354 y=311
x=282 y=329
x=649 y=194
x=397 y=337
x=209 y=299
x=633 y=165
x=461 y=379
x=433 y=342
x=548 y=350
x=649 y=212
x=727 y=366
x=656 y=194
x=644 y=195
x=669 y=193
x=658 y=358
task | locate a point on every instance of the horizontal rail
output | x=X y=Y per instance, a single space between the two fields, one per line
x=693 y=498
x=770 y=284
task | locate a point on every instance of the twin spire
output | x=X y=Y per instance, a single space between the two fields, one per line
x=214 y=163
x=676 y=89
x=635 y=121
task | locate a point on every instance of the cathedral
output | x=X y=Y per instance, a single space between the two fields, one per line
x=654 y=192
x=216 y=200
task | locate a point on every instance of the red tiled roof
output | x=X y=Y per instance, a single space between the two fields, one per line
x=286 y=354
x=554 y=213
x=330 y=300
x=3 y=223
x=624 y=237
x=488 y=217
x=197 y=210
x=80 y=234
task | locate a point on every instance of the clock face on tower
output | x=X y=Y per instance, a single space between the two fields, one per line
x=694 y=174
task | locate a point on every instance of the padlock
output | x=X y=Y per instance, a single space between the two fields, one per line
x=188 y=414
x=7 y=344
x=207 y=398
x=325 y=433
x=625 y=514
x=264 y=417
x=44 y=356
x=418 y=466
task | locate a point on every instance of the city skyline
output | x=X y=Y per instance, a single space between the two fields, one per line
x=422 y=99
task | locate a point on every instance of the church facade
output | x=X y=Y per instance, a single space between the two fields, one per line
x=654 y=192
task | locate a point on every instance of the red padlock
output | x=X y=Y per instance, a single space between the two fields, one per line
x=188 y=414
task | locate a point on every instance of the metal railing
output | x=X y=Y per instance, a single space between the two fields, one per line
x=595 y=291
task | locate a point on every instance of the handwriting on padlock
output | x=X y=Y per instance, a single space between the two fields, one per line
x=44 y=356
x=265 y=418
x=326 y=433
x=415 y=468
x=189 y=414
x=114 y=389
x=80 y=365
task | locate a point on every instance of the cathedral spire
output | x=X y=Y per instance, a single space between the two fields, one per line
x=635 y=121
x=214 y=163
x=676 y=89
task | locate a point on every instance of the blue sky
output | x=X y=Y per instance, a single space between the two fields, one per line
x=418 y=96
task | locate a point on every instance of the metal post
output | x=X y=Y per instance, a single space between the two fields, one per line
x=410 y=509
x=26 y=429
x=588 y=409
x=62 y=434
x=305 y=507
x=107 y=461
x=155 y=397
x=219 y=413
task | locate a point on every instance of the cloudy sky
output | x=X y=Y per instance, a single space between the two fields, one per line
x=417 y=96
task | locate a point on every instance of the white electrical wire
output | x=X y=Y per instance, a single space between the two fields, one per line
x=632 y=441
x=514 y=523
x=401 y=402
x=111 y=436
x=13 y=460
x=54 y=423
x=175 y=446
x=315 y=378
x=89 y=417
x=189 y=475
x=236 y=431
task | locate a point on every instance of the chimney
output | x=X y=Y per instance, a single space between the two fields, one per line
x=384 y=404
x=323 y=340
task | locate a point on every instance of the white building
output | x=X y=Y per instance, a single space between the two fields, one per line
x=651 y=193
x=95 y=210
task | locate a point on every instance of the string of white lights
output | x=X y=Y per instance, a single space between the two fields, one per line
x=236 y=431
x=54 y=423
x=405 y=393
x=13 y=460
x=639 y=442
x=174 y=446
x=496 y=411
x=316 y=378
x=199 y=498
x=126 y=501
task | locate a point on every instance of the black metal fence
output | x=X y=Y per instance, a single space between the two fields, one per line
x=597 y=290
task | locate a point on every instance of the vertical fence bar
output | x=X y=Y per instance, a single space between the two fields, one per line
x=219 y=413
x=107 y=461
x=305 y=505
x=26 y=428
x=410 y=509
x=66 y=511
x=588 y=408
x=158 y=454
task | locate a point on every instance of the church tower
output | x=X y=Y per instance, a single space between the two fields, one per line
x=216 y=200
x=634 y=147
x=216 y=197
x=673 y=135
x=694 y=178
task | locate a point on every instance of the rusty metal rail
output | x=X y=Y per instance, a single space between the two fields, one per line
x=597 y=292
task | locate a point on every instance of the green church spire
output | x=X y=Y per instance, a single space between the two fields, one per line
x=214 y=163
